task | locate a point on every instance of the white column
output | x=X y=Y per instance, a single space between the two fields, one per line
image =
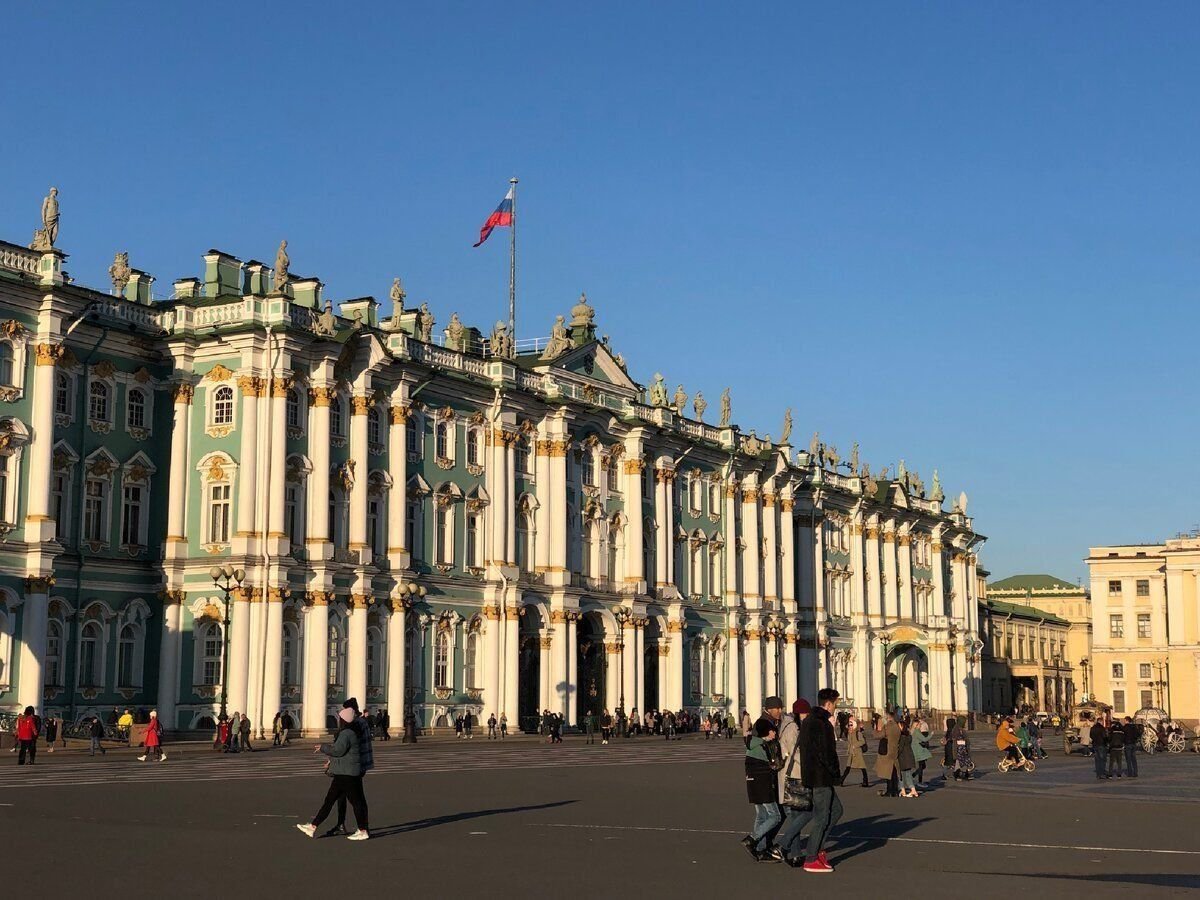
x=572 y=666
x=939 y=581
x=248 y=502
x=396 y=645
x=40 y=454
x=356 y=655
x=544 y=489
x=315 y=688
x=278 y=461
x=168 y=658
x=664 y=673
x=398 y=554
x=673 y=577
x=639 y=652
x=731 y=552
x=318 y=484
x=491 y=661
x=360 y=407
x=908 y=609
x=635 y=530
x=257 y=628
x=510 y=507
x=612 y=675
x=557 y=524
x=273 y=668
x=733 y=677
x=770 y=648
x=790 y=684
x=35 y=614
x=177 y=496
x=629 y=665
x=770 y=549
x=498 y=479
x=558 y=663
x=751 y=588
x=664 y=540
x=858 y=601
x=545 y=664
x=512 y=660
x=873 y=600
x=239 y=650
x=891 y=594
x=787 y=559
x=754 y=684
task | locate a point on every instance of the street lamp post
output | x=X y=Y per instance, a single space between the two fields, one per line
x=1057 y=661
x=1083 y=664
x=623 y=615
x=952 y=643
x=227 y=579
x=885 y=641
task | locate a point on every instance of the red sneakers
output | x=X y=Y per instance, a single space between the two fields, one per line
x=824 y=859
x=818 y=865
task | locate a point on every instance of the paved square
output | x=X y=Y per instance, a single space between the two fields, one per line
x=526 y=819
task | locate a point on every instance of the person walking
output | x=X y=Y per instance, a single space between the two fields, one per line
x=888 y=732
x=410 y=727
x=503 y=725
x=28 y=726
x=920 y=748
x=763 y=792
x=958 y=750
x=275 y=729
x=458 y=726
x=360 y=723
x=345 y=768
x=747 y=725
x=468 y=725
x=285 y=728
x=1133 y=736
x=1116 y=749
x=605 y=727
x=856 y=744
x=96 y=732
x=52 y=725
x=820 y=773
x=906 y=760
x=795 y=816
x=235 y=727
x=385 y=725
x=492 y=727
x=244 y=735
x=1098 y=736
x=154 y=731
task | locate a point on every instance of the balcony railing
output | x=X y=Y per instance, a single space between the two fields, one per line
x=601 y=583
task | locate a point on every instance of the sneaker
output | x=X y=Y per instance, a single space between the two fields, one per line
x=142 y=758
x=796 y=862
x=817 y=866
x=358 y=835
x=308 y=828
x=749 y=842
x=822 y=858
x=771 y=854
x=335 y=831
x=163 y=758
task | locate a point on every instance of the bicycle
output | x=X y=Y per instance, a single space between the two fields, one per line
x=1007 y=764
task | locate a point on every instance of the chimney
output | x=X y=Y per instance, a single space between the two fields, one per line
x=222 y=275
x=138 y=287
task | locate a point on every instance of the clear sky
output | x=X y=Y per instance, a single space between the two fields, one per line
x=961 y=234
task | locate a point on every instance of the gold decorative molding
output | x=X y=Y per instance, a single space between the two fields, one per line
x=318 y=598
x=49 y=354
x=786 y=505
x=906 y=540
x=360 y=406
x=183 y=392
x=359 y=600
x=664 y=649
x=545 y=643
x=492 y=613
x=217 y=373
x=768 y=499
x=872 y=533
x=750 y=495
x=323 y=396
x=889 y=537
x=398 y=415
x=634 y=466
x=251 y=385
x=674 y=627
x=39 y=584
x=278 y=594
x=937 y=546
x=753 y=634
x=280 y=387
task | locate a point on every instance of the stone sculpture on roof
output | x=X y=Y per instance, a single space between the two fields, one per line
x=560 y=340
x=814 y=446
x=658 y=391
x=854 y=457
x=425 y=324
x=282 y=261
x=44 y=237
x=938 y=494
x=681 y=399
x=397 y=294
x=726 y=408
x=120 y=273
x=786 y=435
x=700 y=405
x=456 y=334
x=501 y=342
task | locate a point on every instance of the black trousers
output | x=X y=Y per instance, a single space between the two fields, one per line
x=341 y=789
x=30 y=746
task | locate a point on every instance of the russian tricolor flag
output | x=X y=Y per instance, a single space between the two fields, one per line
x=500 y=218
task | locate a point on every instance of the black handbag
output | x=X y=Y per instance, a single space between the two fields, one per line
x=883 y=746
x=795 y=794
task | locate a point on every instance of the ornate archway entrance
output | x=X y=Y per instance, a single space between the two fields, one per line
x=906 y=677
x=590 y=668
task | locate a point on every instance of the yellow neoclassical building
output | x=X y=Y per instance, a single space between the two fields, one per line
x=1146 y=626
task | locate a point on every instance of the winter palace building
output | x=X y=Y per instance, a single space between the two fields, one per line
x=439 y=522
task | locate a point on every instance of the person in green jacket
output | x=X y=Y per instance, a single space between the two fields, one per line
x=345 y=768
x=920 y=748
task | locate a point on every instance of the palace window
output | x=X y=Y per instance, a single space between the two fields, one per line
x=1144 y=674
x=1116 y=626
x=443 y=537
x=695 y=489
x=412 y=657
x=291 y=641
x=473 y=441
x=413 y=435
x=293 y=519
x=1143 y=623
x=339 y=517
x=1118 y=671
x=525 y=539
x=209 y=640
x=54 y=648
x=588 y=466
x=98 y=402
x=337 y=653
x=293 y=408
x=62 y=394
x=412 y=528
x=714 y=498
x=337 y=416
x=220 y=505
x=7 y=483
x=695 y=685
x=374 y=435
x=222 y=408
x=441 y=660
x=472 y=554
x=521 y=454
x=1118 y=701
x=1147 y=698
x=374 y=657
x=131 y=516
x=6 y=363
x=374 y=529
x=127 y=645
x=90 y=662
x=95 y=510
x=1114 y=587
x=442 y=442
x=714 y=571
x=1143 y=587
x=135 y=409
x=611 y=479
x=472 y=656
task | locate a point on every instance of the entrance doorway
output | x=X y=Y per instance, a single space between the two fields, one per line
x=590 y=668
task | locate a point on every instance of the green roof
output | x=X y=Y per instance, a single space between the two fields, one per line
x=1033 y=582
x=1028 y=612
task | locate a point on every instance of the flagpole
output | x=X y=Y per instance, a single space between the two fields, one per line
x=512 y=269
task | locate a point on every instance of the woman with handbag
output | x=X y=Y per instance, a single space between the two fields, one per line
x=920 y=748
x=762 y=791
x=794 y=798
x=885 y=762
x=856 y=742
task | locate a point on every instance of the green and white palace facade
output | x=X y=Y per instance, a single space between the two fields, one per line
x=426 y=524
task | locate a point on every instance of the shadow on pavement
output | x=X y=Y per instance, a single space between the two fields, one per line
x=434 y=821
x=1165 y=880
x=870 y=833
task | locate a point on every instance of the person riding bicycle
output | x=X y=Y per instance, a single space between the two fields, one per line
x=1007 y=740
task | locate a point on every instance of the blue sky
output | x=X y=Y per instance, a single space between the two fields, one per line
x=961 y=234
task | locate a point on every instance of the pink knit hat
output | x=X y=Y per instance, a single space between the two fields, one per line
x=346 y=715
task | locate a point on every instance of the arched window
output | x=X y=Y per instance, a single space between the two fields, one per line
x=611 y=471
x=6 y=484
x=337 y=653
x=441 y=438
x=648 y=569
x=293 y=408
x=588 y=466
x=616 y=548
x=209 y=640
x=473 y=442
x=472 y=657
x=375 y=525
x=525 y=536
x=220 y=506
x=89 y=655
x=473 y=544
x=6 y=363
x=223 y=405
x=441 y=660
x=291 y=642
x=412 y=660
x=695 y=486
x=337 y=417
x=293 y=512
x=374 y=657
x=695 y=668
x=135 y=409
x=54 y=648
x=339 y=517
x=521 y=460
x=714 y=570
x=413 y=539
x=443 y=551
x=62 y=394
x=714 y=498
x=126 y=649
x=98 y=402
x=373 y=431
x=697 y=569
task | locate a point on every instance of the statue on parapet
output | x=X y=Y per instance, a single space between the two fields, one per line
x=726 y=408
x=456 y=334
x=938 y=494
x=681 y=399
x=501 y=342
x=44 y=237
x=658 y=391
x=854 y=458
x=786 y=435
x=699 y=404
x=397 y=294
x=425 y=324
x=814 y=446
x=282 y=261
x=120 y=273
x=560 y=340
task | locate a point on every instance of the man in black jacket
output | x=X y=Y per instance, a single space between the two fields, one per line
x=822 y=771
x=1133 y=737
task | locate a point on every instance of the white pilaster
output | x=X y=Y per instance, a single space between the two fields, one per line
x=356 y=651
x=315 y=687
x=273 y=664
x=35 y=613
x=168 y=658
x=248 y=502
x=359 y=456
x=398 y=554
x=396 y=643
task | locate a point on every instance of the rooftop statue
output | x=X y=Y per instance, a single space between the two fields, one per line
x=501 y=343
x=814 y=446
x=425 y=324
x=854 y=457
x=938 y=494
x=327 y=321
x=456 y=334
x=397 y=294
x=832 y=457
x=560 y=340
x=658 y=391
x=120 y=273
x=44 y=237
x=680 y=399
x=282 y=261
x=787 y=427
x=582 y=313
x=621 y=362
x=700 y=405
x=726 y=408
x=902 y=473
x=961 y=505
